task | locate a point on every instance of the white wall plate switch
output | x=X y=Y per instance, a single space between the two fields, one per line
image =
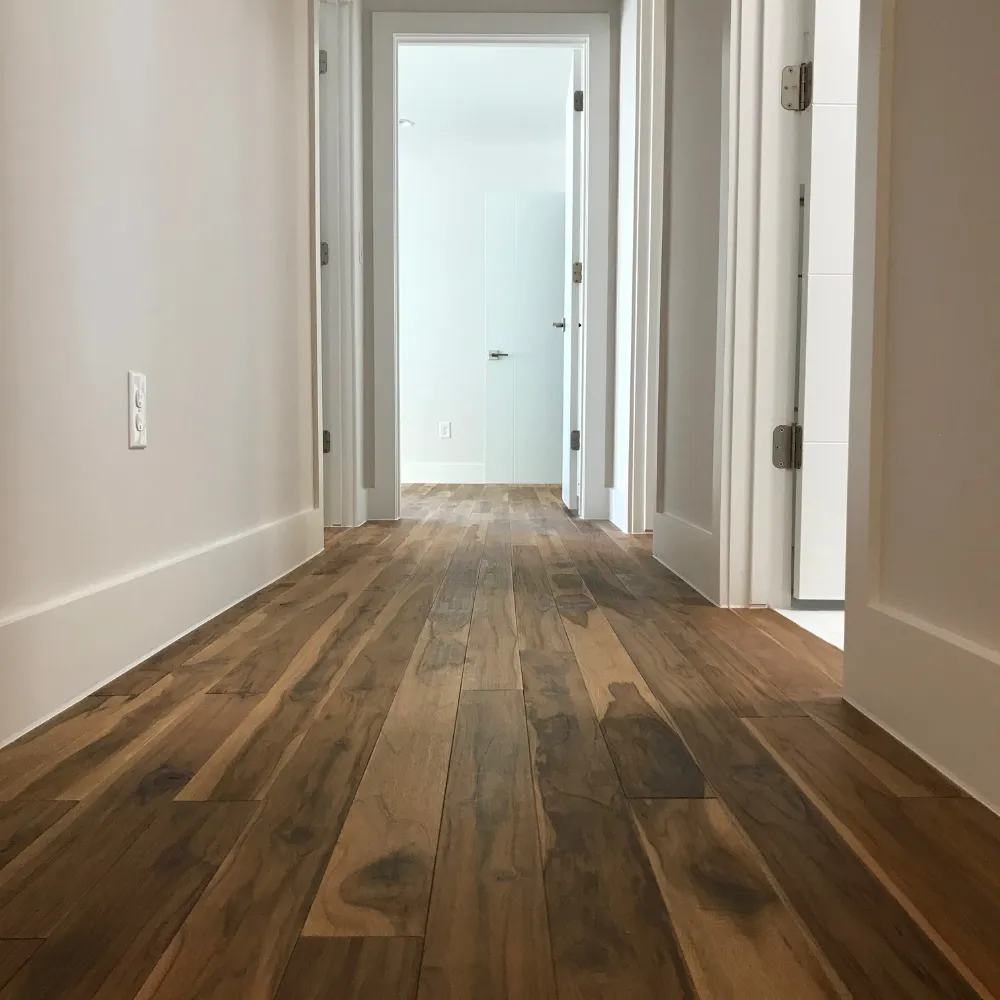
x=136 y=410
x=444 y=429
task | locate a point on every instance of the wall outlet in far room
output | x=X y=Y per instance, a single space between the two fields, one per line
x=444 y=429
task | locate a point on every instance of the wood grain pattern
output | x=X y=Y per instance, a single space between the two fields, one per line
x=378 y=880
x=906 y=855
x=650 y=757
x=538 y=622
x=898 y=767
x=722 y=903
x=487 y=934
x=352 y=969
x=22 y=823
x=611 y=936
x=13 y=955
x=114 y=935
x=492 y=661
x=338 y=788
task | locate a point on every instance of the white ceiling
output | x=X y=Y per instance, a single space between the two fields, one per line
x=484 y=91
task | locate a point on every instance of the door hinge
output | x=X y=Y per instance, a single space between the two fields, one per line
x=326 y=442
x=797 y=87
x=574 y=440
x=578 y=100
x=324 y=253
x=786 y=450
x=578 y=273
x=323 y=61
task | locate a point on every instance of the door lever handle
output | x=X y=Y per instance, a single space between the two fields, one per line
x=497 y=355
x=561 y=325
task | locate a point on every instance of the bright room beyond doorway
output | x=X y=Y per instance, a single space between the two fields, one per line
x=482 y=191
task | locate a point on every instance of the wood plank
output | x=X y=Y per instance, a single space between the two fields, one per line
x=492 y=661
x=13 y=954
x=245 y=764
x=722 y=904
x=352 y=969
x=871 y=942
x=802 y=644
x=487 y=933
x=46 y=880
x=258 y=672
x=650 y=757
x=611 y=936
x=908 y=856
x=898 y=767
x=239 y=937
x=378 y=880
x=538 y=622
x=110 y=940
x=37 y=752
x=798 y=678
x=22 y=823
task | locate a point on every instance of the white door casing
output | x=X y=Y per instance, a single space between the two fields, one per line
x=572 y=311
x=588 y=31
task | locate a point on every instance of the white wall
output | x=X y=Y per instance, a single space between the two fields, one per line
x=687 y=523
x=923 y=634
x=155 y=215
x=443 y=186
x=828 y=287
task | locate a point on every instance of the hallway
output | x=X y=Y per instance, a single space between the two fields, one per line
x=485 y=752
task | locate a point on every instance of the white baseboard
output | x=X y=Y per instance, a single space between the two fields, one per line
x=54 y=654
x=690 y=551
x=443 y=472
x=619 y=509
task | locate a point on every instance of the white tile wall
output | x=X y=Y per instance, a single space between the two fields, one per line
x=828 y=357
x=835 y=54
x=831 y=193
x=822 y=537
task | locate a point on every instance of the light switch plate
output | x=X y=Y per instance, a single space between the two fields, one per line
x=444 y=429
x=136 y=410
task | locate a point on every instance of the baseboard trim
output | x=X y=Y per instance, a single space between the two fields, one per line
x=54 y=654
x=689 y=551
x=443 y=472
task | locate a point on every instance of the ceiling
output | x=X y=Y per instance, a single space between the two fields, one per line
x=485 y=91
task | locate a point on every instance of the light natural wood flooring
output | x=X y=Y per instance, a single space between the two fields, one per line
x=488 y=752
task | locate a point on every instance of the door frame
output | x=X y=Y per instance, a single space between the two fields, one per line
x=592 y=33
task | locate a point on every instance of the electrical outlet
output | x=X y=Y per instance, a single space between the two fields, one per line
x=136 y=410
x=444 y=429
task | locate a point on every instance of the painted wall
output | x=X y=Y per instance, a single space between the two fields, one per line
x=831 y=130
x=443 y=186
x=923 y=635
x=686 y=527
x=155 y=215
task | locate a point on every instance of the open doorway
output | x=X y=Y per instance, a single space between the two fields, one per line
x=516 y=282
x=485 y=185
x=826 y=278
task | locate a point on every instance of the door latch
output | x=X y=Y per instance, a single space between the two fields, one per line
x=497 y=355
x=574 y=440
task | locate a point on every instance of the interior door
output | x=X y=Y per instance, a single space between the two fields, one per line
x=525 y=234
x=572 y=310
x=827 y=280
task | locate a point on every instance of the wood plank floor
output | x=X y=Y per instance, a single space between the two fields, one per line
x=488 y=752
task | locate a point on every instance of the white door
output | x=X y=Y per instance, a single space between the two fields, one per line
x=572 y=311
x=525 y=255
x=827 y=287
